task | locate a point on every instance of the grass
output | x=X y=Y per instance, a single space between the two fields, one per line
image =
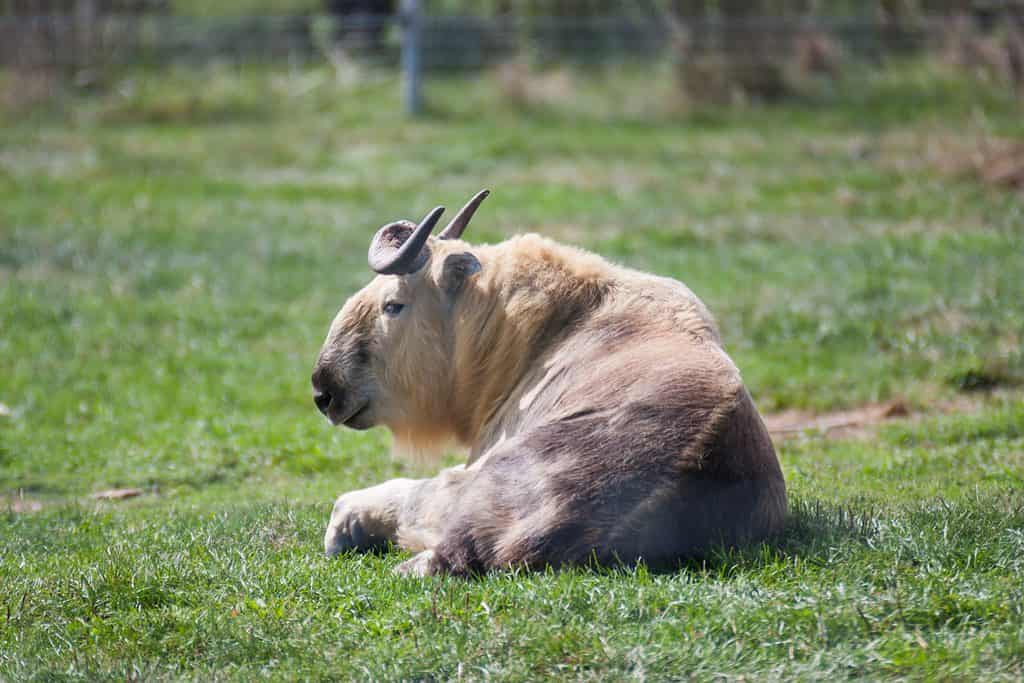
x=173 y=249
x=243 y=8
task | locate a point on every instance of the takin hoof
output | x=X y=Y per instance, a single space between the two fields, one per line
x=351 y=528
x=419 y=566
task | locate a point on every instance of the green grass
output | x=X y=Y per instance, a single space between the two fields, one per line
x=172 y=250
x=243 y=8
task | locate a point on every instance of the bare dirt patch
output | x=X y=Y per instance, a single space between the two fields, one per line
x=116 y=494
x=862 y=421
x=847 y=424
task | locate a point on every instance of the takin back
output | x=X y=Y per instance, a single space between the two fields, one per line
x=603 y=419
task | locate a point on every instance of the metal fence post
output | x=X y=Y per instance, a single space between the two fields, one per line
x=411 y=57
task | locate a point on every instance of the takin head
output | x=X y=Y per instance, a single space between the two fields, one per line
x=388 y=355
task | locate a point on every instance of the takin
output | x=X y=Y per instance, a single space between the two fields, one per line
x=604 y=421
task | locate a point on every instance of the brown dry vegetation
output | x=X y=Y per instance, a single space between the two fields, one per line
x=974 y=153
x=998 y=55
x=998 y=162
x=523 y=86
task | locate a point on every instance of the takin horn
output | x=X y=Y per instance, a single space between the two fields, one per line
x=453 y=230
x=394 y=251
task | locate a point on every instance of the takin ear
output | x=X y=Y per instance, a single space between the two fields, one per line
x=456 y=270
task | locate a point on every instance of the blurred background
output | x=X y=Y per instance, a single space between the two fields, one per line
x=678 y=52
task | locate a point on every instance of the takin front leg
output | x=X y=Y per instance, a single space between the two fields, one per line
x=408 y=513
x=367 y=518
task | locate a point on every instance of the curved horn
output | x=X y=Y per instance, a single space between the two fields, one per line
x=453 y=231
x=387 y=259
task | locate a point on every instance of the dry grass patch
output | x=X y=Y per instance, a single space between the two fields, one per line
x=524 y=86
x=998 y=162
x=994 y=161
x=20 y=505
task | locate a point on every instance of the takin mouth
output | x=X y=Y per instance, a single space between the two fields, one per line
x=352 y=421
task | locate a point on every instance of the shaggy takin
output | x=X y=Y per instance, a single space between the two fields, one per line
x=603 y=419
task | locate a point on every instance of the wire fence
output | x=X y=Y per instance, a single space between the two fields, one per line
x=447 y=42
x=751 y=52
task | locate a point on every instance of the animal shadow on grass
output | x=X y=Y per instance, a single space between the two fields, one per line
x=813 y=530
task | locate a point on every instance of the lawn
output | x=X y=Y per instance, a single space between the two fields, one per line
x=174 y=246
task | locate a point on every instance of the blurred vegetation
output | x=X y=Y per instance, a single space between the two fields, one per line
x=721 y=52
x=558 y=8
x=584 y=8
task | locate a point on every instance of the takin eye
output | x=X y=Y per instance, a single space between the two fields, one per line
x=392 y=308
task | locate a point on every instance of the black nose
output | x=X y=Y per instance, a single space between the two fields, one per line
x=322 y=399
x=325 y=389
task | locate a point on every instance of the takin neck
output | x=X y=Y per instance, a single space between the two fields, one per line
x=529 y=296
